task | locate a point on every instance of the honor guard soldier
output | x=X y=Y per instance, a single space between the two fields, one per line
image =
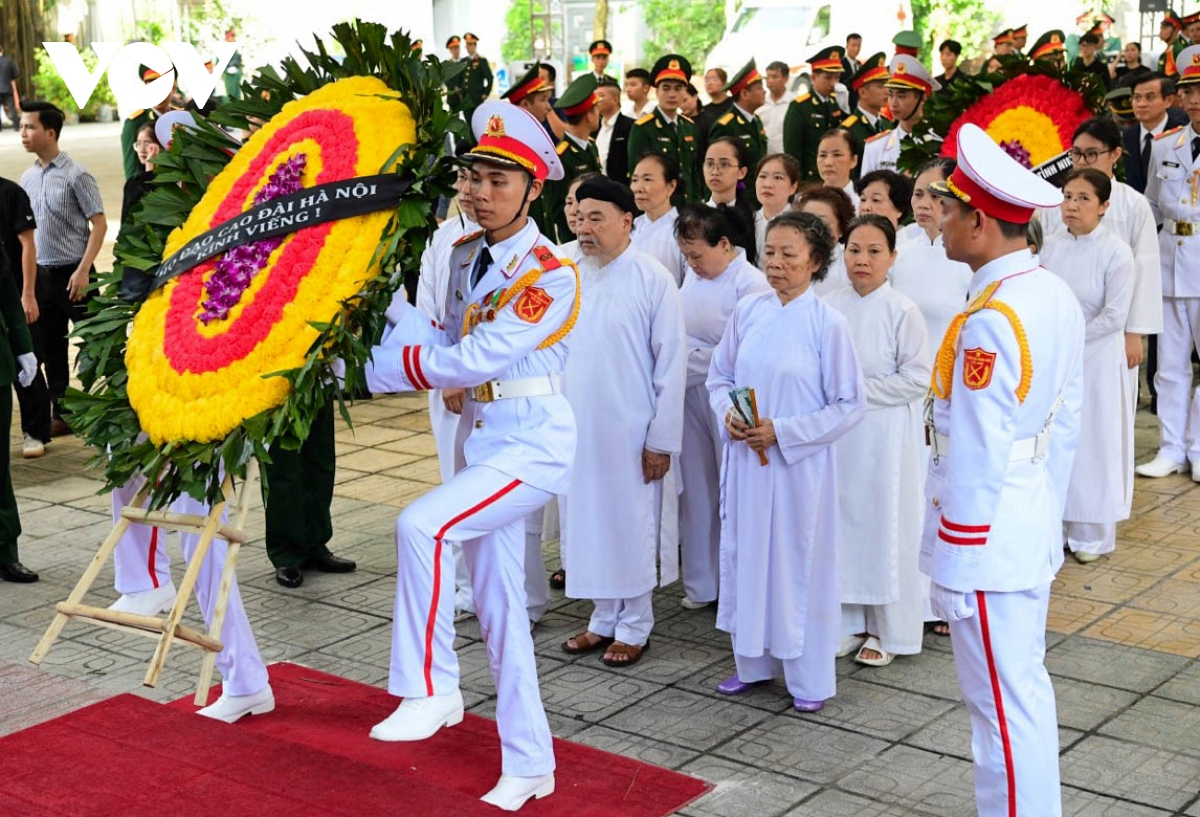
x=748 y=94
x=476 y=78
x=813 y=112
x=532 y=92
x=909 y=84
x=668 y=131
x=131 y=126
x=907 y=42
x=1174 y=195
x=600 y=51
x=577 y=151
x=1020 y=36
x=870 y=85
x=506 y=326
x=1002 y=43
x=1050 y=48
x=1169 y=32
x=1003 y=423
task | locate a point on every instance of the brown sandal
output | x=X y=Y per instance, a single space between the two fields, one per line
x=590 y=643
x=632 y=654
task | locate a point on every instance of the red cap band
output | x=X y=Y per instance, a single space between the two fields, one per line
x=967 y=191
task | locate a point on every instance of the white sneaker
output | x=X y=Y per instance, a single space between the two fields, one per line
x=33 y=448
x=420 y=718
x=1085 y=558
x=230 y=708
x=688 y=604
x=1160 y=466
x=512 y=792
x=147 y=602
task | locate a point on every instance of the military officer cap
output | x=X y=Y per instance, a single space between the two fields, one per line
x=671 y=66
x=1190 y=19
x=907 y=72
x=580 y=96
x=1170 y=18
x=1005 y=36
x=417 y=45
x=1048 y=45
x=509 y=136
x=453 y=41
x=743 y=79
x=470 y=38
x=873 y=69
x=907 y=42
x=1021 y=30
x=988 y=179
x=828 y=60
x=600 y=47
x=530 y=83
x=1120 y=101
x=1188 y=64
x=148 y=74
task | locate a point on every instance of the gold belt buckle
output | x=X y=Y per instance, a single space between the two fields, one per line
x=1183 y=228
x=483 y=393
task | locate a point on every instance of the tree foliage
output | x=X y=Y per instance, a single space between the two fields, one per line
x=687 y=27
x=970 y=22
x=520 y=27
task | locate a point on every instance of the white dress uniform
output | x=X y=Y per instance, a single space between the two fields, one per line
x=657 y=239
x=1099 y=268
x=140 y=563
x=625 y=380
x=707 y=305
x=881 y=151
x=937 y=285
x=1171 y=190
x=432 y=296
x=1004 y=423
x=884 y=458
x=780 y=595
x=507 y=323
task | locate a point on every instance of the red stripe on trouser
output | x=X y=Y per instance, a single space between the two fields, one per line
x=991 y=662
x=437 y=576
x=153 y=553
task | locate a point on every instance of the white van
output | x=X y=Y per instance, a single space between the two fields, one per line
x=792 y=31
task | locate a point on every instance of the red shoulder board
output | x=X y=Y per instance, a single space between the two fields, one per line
x=546 y=258
x=879 y=135
x=468 y=237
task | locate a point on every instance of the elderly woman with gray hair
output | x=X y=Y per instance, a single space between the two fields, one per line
x=779 y=586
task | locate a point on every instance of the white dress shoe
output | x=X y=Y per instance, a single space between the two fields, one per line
x=1160 y=466
x=230 y=708
x=420 y=718
x=512 y=792
x=688 y=604
x=1084 y=558
x=146 y=602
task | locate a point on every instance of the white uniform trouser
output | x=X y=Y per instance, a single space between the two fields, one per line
x=699 y=504
x=140 y=563
x=999 y=653
x=1178 y=410
x=627 y=620
x=1090 y=537
x=899 y=627
x=444 y=425
x=537 y=583
x=485 y=510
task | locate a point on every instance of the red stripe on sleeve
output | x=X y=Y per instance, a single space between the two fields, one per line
x=957 y=528
x=959 y=540
x=416 y=361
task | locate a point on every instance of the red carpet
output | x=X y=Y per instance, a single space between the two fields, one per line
x=126 y=757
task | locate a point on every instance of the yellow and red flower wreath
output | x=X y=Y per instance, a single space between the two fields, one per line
x=189 y=380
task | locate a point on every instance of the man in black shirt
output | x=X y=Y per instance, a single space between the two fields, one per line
x=18 y=261
x=10 y=101
x=1086 y=61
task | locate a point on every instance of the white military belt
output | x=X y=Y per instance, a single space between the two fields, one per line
x=1184 y=228
x=1031 y=448
x=539 y=386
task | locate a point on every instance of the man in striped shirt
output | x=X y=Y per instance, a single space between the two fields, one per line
x=71 y=226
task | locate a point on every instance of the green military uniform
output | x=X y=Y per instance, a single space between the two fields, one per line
x=477 y=79
x=577 y=155
x=129 y=131
x=529 y=84
x=297 y=489
x=745 y=127
x=809 y=117
x=872 y=69
x=1166 y=63
x=653 y=133
x=455 y=86
x=14 y=341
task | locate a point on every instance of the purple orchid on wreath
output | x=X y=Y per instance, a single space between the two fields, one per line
x=1018 y=151
x=237 y=268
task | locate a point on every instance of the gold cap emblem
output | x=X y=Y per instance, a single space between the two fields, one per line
x=673 y=65
x=1196 y=59
x=495 y=126
x=901 y=68
x=1054 y=38
x=833 y=55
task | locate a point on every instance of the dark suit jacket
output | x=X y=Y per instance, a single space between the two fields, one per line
x=1133 y=148
x=617 y=166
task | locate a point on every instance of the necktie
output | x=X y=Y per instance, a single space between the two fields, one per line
x=481 y=266
x=1195 y=147
x=1147 y=140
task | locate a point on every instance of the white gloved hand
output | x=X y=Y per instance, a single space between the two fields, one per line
x=339 y=371
x=29 y=366
x=949 y=605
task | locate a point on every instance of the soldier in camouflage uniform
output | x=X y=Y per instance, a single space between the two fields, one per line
x=812 y=113
x=577 y=151
x=668 y=131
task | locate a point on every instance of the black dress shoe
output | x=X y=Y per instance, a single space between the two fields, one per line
x=328 y=563
x=290 y=576
x=17 y=572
